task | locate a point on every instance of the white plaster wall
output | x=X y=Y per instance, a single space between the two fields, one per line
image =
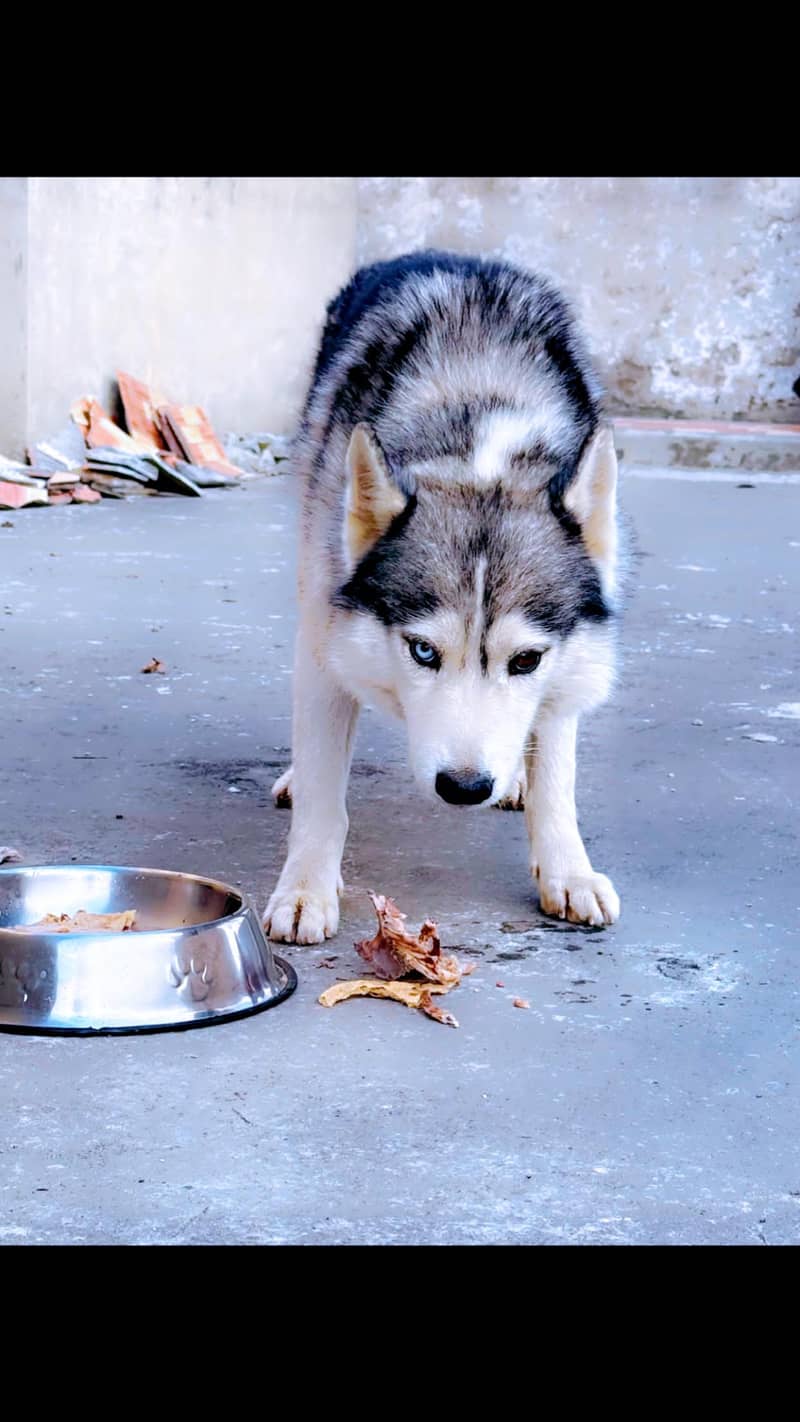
x=689 y=288
x=214 y=288
x=13 y=314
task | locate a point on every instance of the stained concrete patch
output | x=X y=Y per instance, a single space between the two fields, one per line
x=649 y=1093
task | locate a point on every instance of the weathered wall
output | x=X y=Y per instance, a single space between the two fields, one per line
x=216 y=287
x=13 y=313
x=213 y=288
x=689 y=288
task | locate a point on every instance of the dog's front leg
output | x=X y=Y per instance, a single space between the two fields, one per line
x=568 y=885
x=305 y=905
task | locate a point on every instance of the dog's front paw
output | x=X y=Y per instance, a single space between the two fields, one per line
x=515 y=799
x=302 y=915
x=580 y=895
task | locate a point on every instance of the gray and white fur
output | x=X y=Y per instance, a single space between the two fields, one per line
x=458 y=565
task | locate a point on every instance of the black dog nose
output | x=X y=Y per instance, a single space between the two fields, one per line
x=463 y=787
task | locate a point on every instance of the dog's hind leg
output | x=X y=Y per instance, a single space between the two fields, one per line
x=281 y=791
x=568 y=885
x=305 y=905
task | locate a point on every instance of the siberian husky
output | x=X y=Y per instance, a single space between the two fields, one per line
x=458 y=565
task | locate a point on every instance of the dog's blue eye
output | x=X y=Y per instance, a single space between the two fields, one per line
x=424 y=653
x=523 y=663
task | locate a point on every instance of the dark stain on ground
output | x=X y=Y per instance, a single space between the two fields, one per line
x=676 y=967
x=225 y=771
x=559 y=925
x=536 y=927
x=252 y=777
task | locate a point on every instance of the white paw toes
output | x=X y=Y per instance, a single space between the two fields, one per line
x=301 y=915
x=578 y=896
x=515 y=799
x=282 y=790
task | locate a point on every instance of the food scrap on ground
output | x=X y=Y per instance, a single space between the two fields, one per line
x=395 y=953
x=81 y=922
x=439 y=1014
x=154 y=665
x=521 y=1002
x=417 y=995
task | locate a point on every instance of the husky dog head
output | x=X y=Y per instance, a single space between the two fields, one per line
x=473 y=602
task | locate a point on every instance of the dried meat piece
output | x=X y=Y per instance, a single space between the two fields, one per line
x=393 y=952
x=411 y=994
x=439 y=1014
x=81 y=922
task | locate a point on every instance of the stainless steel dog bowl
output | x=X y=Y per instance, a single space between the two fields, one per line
x=197 y=956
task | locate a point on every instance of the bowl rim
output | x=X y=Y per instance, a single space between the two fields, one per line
x=18 y=931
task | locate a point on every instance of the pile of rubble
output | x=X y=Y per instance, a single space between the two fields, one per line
x=165 y=449
x=259 y=453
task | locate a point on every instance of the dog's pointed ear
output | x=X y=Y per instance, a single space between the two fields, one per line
x=591 y=498
x=373 y=498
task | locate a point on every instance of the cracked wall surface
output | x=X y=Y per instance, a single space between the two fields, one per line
x=689 y=288
x=215 y=288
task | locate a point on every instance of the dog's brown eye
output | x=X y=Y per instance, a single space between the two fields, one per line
x=424 y=653
x=523 y=663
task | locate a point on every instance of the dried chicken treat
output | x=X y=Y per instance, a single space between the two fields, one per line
x=82 y=922
x=417 y=995
x=393 y=951
x=440 y=1014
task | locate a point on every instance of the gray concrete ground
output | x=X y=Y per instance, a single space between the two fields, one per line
x=649 y=1095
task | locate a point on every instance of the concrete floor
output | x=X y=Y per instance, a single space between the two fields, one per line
x=649 y=1095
